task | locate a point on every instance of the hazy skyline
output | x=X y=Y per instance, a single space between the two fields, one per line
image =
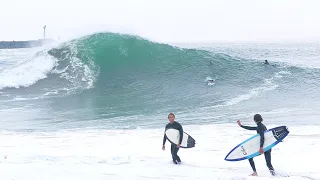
x=164 y=21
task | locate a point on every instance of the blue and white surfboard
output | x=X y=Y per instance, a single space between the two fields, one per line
x=250 y=147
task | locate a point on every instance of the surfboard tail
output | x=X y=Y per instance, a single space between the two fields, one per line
x=173 y=137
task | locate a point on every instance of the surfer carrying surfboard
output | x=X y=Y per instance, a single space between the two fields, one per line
x=260 y=130
x=174 y=148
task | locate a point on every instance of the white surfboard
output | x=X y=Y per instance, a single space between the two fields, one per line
x=250 y=147
x=173 y=136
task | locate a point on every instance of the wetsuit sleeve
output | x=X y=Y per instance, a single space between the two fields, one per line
x=164 y=135
x=261 y=132
x=181 y=133
x=164 y=139
x=249 y=127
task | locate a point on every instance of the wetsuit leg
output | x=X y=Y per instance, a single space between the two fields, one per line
x=174 y=151
x=176 y=154
x=252 y=164
x=267 y=156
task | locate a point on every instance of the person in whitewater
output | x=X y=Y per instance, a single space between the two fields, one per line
x=266 y=62
x=260 y=130
x=174 y=148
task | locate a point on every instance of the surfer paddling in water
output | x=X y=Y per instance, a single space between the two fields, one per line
x=174 y=148
x=260 y=130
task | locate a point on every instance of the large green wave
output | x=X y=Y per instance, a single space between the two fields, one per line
x=135 y=75
x=109 y=80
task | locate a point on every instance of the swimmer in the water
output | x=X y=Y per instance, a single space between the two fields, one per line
x=211 y=81
x=266 y=62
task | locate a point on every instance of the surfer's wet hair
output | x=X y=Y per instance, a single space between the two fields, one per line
x=171 y=114
x=257 y=118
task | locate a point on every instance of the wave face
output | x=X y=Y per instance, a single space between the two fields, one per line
x=142 y=76
x=122 y=80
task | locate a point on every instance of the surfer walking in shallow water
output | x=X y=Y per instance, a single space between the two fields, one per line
x=260 y=130
x=174 y=148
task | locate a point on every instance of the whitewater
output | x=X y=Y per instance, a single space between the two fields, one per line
x=95 y=107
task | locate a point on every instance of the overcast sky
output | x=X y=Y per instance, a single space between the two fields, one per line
x=164 y=20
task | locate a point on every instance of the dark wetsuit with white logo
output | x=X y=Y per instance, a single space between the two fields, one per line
x=260 y=130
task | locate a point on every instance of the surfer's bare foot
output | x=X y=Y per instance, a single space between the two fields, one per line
x=175 y=162
x=272 y=172
x=254 y=174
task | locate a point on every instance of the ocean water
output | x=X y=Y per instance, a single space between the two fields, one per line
x=95 y=108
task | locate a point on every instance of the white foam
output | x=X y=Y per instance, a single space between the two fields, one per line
x=268 y=85
x=80 y=74
x=28 y=72
x=26 y=67
x=137 y=154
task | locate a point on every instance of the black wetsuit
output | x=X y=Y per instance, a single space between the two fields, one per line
x=260 y=130
x=174 y=149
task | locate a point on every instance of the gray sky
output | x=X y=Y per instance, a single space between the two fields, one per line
x=164 y=20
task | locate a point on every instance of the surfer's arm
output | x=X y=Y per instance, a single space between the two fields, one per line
x=164 y=139
x=164 y=134
x=248 y=127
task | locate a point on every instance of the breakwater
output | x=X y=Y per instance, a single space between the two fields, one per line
x=24 y=44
